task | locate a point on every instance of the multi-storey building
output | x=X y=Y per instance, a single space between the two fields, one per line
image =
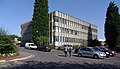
x=66 y=30
x=26 y=32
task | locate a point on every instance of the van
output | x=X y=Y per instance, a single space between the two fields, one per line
x=30 y=46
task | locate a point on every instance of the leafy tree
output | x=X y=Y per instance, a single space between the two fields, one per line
x=42 y=40
x=40 y=20
x=85 y=43
x=112 y=26
x=95 y=42
x=2 y=31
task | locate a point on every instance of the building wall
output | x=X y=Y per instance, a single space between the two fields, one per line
x=64 y=29
x=26 y=32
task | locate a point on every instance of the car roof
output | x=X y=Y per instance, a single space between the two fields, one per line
x=87 y=47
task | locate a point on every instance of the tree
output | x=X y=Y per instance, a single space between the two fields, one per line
x=2 y=31
x=112 y=27
x=6 y=44
x=40 y=20
x=95 y=42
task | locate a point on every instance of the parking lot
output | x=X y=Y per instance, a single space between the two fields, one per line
x=56 y=60
x=75 y=58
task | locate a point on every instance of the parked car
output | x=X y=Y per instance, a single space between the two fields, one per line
x=63 y=47
x=105 y=49
x=44 y=48
x=91 y=52
x=76 y=50
x=117 y=49
x=30 y=46
x=106 y=52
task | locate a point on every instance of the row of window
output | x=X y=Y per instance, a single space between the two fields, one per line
x=71 y=23
x=70 y=31
x=67 y=39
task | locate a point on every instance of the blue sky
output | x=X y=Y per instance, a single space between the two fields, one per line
x=13 y=13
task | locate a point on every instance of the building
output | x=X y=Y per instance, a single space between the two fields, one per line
x=26 y=32
x=64 y=30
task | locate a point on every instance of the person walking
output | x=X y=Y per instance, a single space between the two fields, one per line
x=65 y=51
x=70 y=51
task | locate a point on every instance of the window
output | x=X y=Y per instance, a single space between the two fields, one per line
x=56 y=38
x=83 y=49
x=88 y=49
x=75 y=32
x=56 y=19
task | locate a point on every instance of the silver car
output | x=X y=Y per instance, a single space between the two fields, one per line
x=91 y=52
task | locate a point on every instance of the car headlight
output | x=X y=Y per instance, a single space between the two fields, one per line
x=107 y=52
x=112 y=51
x=101 y=54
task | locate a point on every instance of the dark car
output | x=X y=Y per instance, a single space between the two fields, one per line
x=44 y=48
x=76 y=50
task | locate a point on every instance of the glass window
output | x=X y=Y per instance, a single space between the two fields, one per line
x=88 y=49
x=56 y=38
x=75 y=32
x=83 y=49
x=56 y=19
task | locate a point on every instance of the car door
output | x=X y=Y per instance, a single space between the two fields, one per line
x=89 y=52
x=83 y=51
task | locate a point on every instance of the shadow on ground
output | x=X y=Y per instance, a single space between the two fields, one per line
x=59 y=65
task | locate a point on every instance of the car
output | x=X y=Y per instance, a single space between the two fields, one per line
x=106 y=52
x=117 y=49
x=30 y=46
x=76 y=50
x=44 y=48
x=105 y=49
x=63 y=47
x=91 y=52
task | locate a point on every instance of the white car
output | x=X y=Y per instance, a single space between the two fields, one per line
x=30 y=46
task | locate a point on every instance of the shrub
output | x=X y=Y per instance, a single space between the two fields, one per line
x=6 y=44
x=75 y=46
x=52 y=46
x=41 y=40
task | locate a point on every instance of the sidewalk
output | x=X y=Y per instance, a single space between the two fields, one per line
x=22 y=56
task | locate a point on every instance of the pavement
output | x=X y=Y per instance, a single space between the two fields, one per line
x=21 y=56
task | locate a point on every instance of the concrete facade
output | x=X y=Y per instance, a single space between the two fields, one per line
x=26 y=32
x=64 y=30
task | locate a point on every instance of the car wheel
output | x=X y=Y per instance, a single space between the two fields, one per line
x=95 y=56
x=79 y=55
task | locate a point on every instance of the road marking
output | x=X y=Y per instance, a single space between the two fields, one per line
x=31 y=56
x=59 y=56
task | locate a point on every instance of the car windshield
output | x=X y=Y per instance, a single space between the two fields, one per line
x=104 y=48
x=95 y=49
x=32 y=45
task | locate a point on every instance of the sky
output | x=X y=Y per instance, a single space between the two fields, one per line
x=13 y=13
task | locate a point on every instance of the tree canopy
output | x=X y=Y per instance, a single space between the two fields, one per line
x=112 y=26
x=40 y=21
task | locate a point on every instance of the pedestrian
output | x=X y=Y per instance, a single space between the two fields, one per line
x=70 y=51
x=65 y=51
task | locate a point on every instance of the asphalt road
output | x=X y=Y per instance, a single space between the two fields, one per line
x=56 y=60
